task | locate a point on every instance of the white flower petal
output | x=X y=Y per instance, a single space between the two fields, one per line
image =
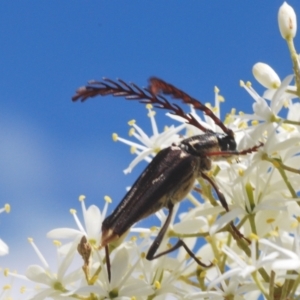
x=93 y=221
x=286 y=264
x=3 y=248
x=278 y=99
x=38 y=274
x=64 y=233
x=284 y=251
x=66 y=262
x=119 y=266
x=225 y=219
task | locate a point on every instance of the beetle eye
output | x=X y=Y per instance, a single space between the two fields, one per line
x=232 y=144
x=226 y=143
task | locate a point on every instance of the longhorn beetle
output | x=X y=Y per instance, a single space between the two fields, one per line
x=172 y=173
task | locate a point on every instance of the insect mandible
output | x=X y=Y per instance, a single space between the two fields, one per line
x=171 y=174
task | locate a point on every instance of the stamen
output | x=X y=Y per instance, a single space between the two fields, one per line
x=7 y=207
x=114 y=137
x=107 y=199
x=81 y=198
x=57 y=243
x=131 y=122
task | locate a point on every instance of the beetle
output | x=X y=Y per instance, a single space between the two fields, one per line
x=171 y=174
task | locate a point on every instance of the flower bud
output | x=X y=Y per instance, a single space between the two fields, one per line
x=266 y=76
x=287 y=21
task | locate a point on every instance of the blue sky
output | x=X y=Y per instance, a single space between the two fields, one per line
x=53 y=150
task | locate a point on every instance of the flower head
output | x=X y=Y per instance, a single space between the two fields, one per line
x=54 y=284
x=93 y=218
x=148 y=146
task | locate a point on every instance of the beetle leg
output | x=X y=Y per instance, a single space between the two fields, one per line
x=225 y=205
x=151 y=252
x=218 y=192
x=107 y=262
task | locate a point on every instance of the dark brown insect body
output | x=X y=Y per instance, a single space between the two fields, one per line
x=167 y=180
x=172 y=173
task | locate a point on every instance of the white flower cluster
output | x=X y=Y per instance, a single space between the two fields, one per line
x=262 y=191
